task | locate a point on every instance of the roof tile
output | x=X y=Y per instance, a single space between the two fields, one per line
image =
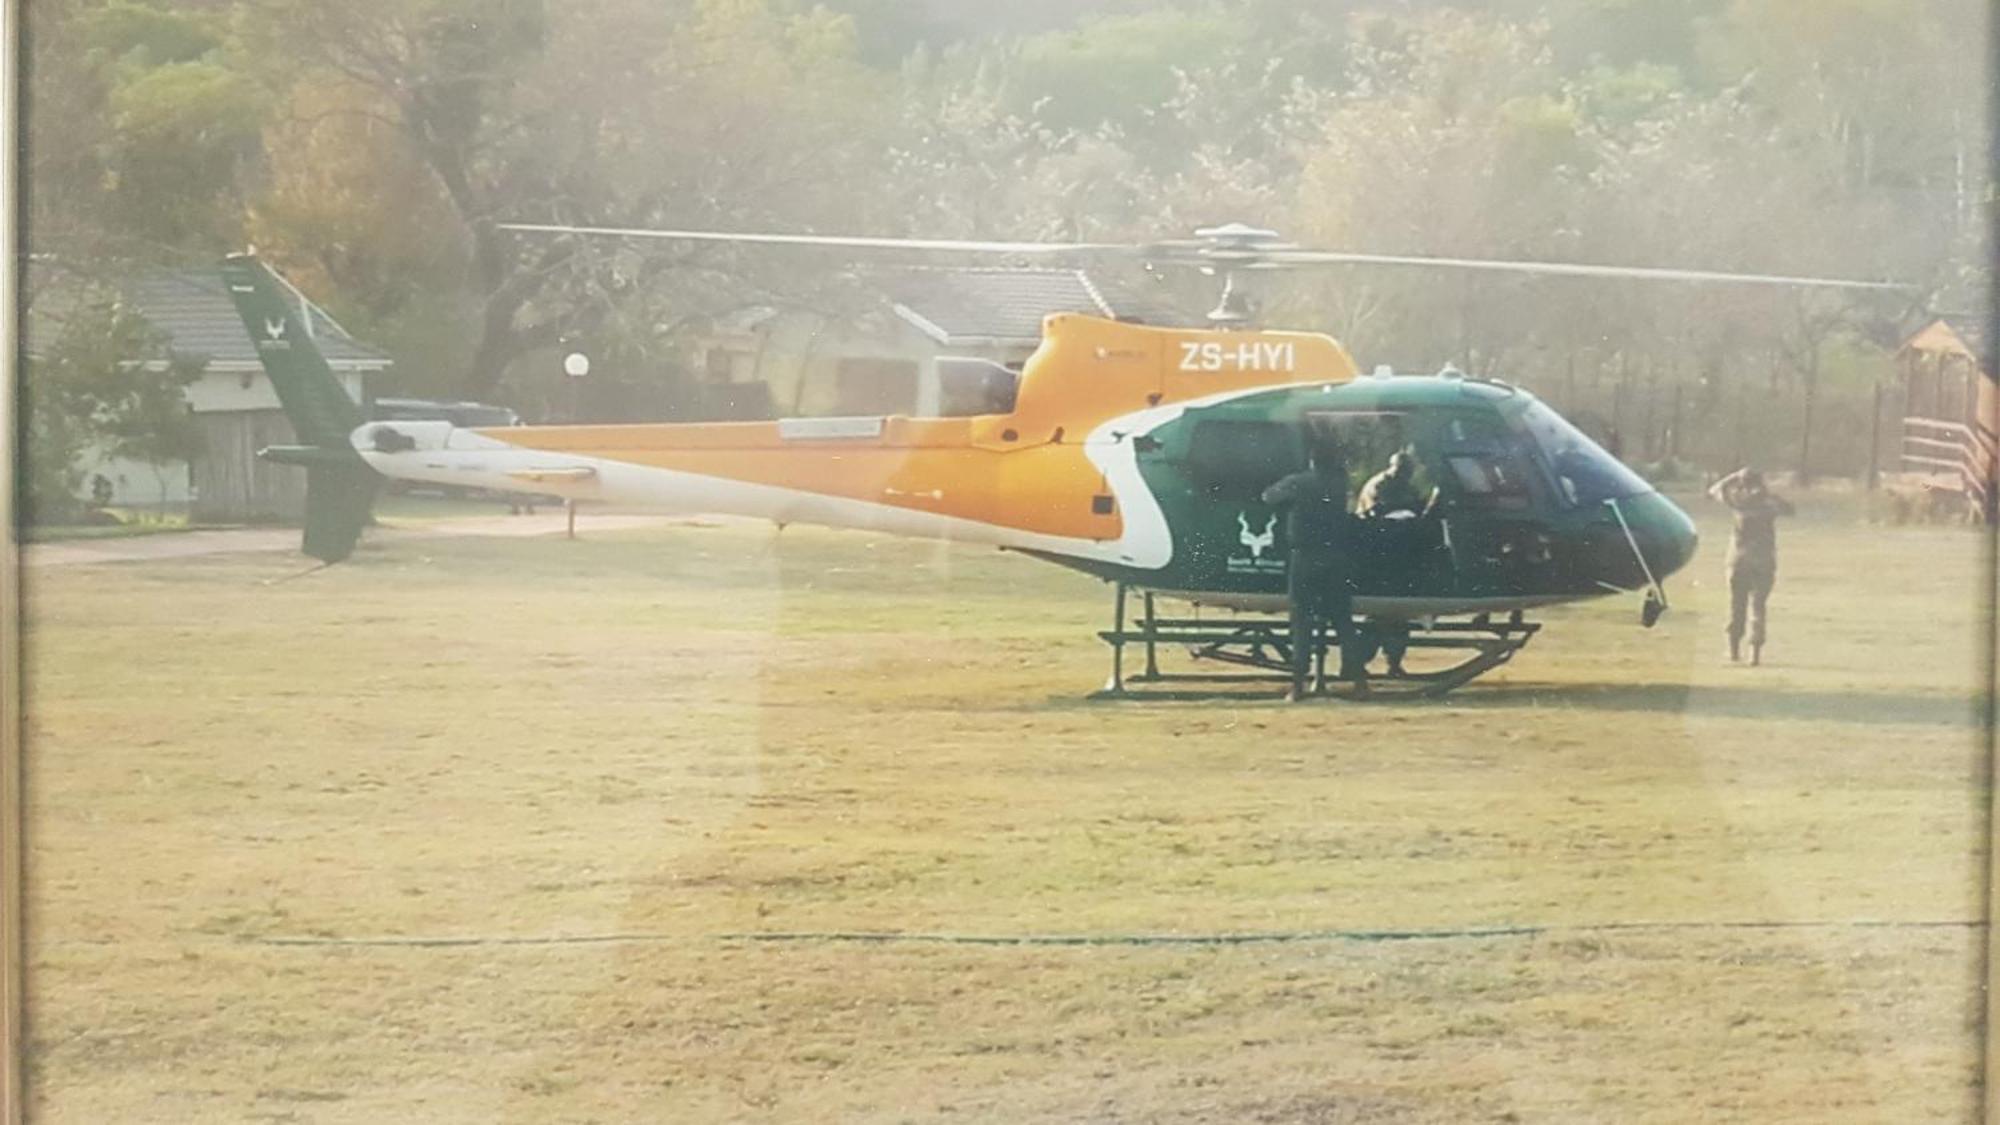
x=195 y=312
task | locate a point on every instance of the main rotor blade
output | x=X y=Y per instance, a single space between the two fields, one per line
x=1574 y=269
x=855 y=242
x=1212 y=253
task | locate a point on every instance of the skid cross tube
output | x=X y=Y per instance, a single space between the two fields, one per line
x=1261 y=647
x=1152 y=640
x=1116 y=686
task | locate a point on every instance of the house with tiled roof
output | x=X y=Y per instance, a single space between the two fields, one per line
x=1005 y=307
x=233 y=400
x=768 y=362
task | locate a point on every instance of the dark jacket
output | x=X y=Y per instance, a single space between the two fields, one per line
x=1753 y=542
x=1315 y=503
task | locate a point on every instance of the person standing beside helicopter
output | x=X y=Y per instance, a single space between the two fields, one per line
x=1753 y=555
x=1320 y=574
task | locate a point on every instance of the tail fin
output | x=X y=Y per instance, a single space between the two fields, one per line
x=340 y=486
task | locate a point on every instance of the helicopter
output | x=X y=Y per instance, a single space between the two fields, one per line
x=1134 y=453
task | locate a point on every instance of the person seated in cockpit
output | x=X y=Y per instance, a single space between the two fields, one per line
x=1391 y=493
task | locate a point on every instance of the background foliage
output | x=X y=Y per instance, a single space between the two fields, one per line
x=369 y=148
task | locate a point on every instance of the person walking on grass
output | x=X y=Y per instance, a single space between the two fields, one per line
x=1753 y=555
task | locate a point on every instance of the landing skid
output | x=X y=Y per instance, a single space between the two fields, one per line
x=1262 y=646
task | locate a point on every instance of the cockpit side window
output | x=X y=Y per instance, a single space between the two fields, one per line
x=1584 y=473
x=1237 y=459
x=1487 y=475
x=1487 y=465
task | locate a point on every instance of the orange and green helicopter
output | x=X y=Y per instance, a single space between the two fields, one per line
x=1134 y=453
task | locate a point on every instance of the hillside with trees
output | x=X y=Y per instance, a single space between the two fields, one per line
x=369 y=149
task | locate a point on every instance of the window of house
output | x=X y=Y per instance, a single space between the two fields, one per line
x=875 y=386
x=974 y=386
x=723 y=364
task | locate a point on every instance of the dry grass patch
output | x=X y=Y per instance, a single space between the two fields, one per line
x=694 y=732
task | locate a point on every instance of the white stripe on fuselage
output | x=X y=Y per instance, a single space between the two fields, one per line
x=1148 y=541
x=444 y=454
x=464 y=459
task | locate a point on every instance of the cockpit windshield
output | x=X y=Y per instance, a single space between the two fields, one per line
x=1584 y=472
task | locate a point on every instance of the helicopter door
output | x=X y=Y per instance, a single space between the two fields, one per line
x=1367 y=439
x=1233 y=539
x=1394 y=550
x=1496 y=525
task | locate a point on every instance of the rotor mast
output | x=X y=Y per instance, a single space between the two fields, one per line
x=1228 y=249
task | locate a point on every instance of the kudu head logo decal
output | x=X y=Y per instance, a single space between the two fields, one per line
x=1258 y=543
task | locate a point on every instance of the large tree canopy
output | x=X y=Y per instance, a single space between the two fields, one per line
x=371 y=148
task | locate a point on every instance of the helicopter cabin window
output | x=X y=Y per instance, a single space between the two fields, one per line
x=1367 y=440
x=1487 y=465
x=1487 y=476
x=1236 y=460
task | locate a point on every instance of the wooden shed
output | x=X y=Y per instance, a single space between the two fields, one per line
x=1951 y=411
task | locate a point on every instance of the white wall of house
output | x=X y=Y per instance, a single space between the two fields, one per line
x=137 y=484
x=250 y=389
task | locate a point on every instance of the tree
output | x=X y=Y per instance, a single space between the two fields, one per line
x=1118 y=69
x=98 y=377
x=443 y=76
x=443 y=118
x=143 y=129
x=371 y=149
x=1455 y=141
x=150 y=421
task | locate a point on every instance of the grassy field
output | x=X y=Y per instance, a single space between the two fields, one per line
x=1727 y=894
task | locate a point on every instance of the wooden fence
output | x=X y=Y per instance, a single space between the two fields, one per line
x=1956 y=456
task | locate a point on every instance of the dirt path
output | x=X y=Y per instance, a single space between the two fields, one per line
x=249 y=539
